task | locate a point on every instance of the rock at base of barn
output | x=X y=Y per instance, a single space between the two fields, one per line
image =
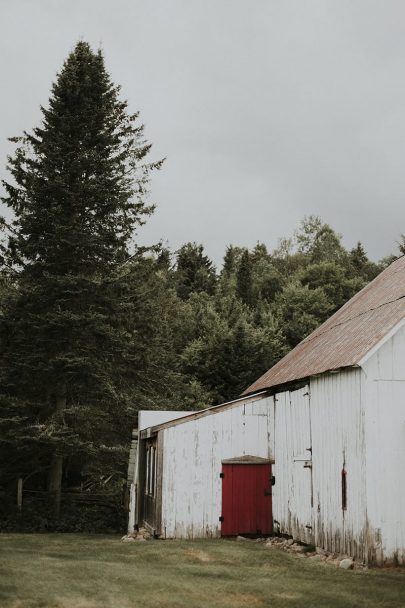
x=138 y=535
x=315 y=554
x=346 y=564
x=317 y=557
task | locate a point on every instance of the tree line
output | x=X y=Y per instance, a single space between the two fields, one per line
x=94 y=327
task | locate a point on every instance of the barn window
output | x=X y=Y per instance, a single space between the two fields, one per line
x=344 y=489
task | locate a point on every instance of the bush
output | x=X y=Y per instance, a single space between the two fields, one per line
x=39 y=516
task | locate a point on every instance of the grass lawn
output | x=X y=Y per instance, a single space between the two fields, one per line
x=78 y=571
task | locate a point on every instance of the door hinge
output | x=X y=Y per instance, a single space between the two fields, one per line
x=273 y=480
x=221 y=518
x=222 y=475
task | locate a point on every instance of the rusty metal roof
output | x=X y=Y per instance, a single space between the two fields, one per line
x=346 y=337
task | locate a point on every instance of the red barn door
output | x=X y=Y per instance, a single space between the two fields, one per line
x=246 y=497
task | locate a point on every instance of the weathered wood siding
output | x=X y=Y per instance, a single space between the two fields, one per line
x=131 y=480
x=384 y=404
x=351 y=421
x=192 y=456
x=292 y=492
x=338 y=443
x=319 y=431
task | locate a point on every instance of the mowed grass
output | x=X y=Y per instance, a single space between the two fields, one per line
x=78 y=571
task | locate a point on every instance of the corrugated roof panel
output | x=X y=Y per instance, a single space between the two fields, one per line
x=345 y=338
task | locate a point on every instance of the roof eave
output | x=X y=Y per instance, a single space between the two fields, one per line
x=299 y=382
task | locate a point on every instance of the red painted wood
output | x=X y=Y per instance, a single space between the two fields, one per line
x=246 y=499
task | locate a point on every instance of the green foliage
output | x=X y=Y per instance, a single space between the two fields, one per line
x=194 y=271
x=40 y=516
x=267 y=281
x=318 y=241
x=401 y=244
x=94 y=328
x=244 y=279
x=230 y=348
x=360 y=265
x=332 y=279
x=72 y=340
x=301 y=310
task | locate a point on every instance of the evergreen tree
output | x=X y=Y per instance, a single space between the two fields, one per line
x=244 y=279
x=230 y=351
x=227 y=282
x=164 y=325
x=194 y=271
x=358 y=257
x=361 y=266
x=78 y=194
x=266 y=280
x=229 y=265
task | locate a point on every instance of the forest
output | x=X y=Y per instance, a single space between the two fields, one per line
x=95 y=327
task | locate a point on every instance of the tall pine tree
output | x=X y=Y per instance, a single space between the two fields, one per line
x=70 y=360
x=244 y=279
x=194 y=271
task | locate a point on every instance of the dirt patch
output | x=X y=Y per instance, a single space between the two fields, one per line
x=199 y=555
x=60 y=603
x=288 y=596
x=273 y=568
x=242 y=599
x=76 y=603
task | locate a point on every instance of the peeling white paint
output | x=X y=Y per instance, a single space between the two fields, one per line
x=357 y=423
x=193 y=453
x=353 y=420
x=383 y=392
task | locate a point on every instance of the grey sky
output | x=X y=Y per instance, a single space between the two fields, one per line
x=266 y=110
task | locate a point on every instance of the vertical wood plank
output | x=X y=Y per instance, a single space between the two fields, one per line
x=159 y=481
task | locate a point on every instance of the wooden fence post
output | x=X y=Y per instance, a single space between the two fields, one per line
x=19 y=493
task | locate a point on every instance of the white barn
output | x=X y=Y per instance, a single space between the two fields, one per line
x=328 y=421
x=177 y=488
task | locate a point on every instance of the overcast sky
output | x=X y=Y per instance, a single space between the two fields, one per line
x=267 y=110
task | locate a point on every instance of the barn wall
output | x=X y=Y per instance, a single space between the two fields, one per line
x=192 y=455
x=339 y=443
x=384 y=405
x=292 y=511
x=326 y=416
